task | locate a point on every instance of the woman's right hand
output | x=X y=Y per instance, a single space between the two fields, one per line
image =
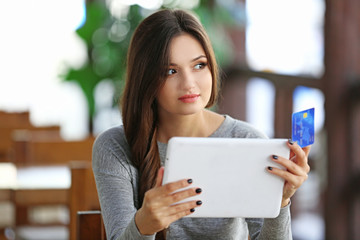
x=158 y=212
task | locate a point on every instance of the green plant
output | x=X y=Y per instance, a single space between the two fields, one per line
x=107 y=39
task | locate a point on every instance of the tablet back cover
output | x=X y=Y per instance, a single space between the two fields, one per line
x=231 y=172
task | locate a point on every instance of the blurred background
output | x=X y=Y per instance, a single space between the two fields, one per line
x=62 y=73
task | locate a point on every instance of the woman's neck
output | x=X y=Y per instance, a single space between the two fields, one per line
x=201 y=124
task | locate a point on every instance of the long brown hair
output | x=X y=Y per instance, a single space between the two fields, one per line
x=147 y=62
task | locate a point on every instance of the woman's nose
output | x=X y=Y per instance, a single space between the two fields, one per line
x=188 y=80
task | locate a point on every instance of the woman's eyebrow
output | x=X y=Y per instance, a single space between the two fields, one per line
x=193 y=60
x=197 y=58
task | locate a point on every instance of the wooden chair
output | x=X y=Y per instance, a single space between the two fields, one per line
x=83 y=197
x=8 y=134
x=51 y=153
x=25 y=199
x=12 y=121
x=30 y=147
x=46 y=148
x=90 y=226
x=15 y=119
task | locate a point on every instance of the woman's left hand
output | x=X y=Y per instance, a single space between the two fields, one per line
x=296 y=172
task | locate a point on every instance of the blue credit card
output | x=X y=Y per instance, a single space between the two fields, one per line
x=303 y=128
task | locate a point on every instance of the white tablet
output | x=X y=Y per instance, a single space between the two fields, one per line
x=232 y=173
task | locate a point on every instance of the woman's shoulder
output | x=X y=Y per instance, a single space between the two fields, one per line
x=112 y=141
x=236 y=128
x=113 y=135
x=111 y=153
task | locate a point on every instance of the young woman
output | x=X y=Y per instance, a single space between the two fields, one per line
x=171 y=80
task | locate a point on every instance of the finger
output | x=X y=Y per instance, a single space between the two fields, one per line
x=289 y=165
x=307 y=150
x=183 y=207
x=159 y=177
x=296 y=150
x=181 y=195
x=293 y=180
x=294 y=146
x=290 y=143
x=176 y=216
x=306 y=166
x=170 y=188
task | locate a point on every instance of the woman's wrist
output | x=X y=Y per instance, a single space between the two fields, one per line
x=139 y=224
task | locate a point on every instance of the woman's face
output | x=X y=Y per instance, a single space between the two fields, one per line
x=187 y=88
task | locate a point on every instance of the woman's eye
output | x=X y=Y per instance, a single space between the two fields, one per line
x=200 y=65
x=171 y=71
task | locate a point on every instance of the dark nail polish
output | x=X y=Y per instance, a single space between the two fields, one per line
x=270 y=168
x=192 y=210
x=189 y=180
x=275 y=157
x=198 y=190
x=199 y=202
x=291 y=141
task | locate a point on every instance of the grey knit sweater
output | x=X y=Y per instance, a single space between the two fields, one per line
x=117 y=185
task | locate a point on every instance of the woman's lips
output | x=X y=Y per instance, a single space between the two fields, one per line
x=189 y=98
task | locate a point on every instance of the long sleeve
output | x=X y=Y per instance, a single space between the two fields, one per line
x=115 y=183
x=278 y=228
